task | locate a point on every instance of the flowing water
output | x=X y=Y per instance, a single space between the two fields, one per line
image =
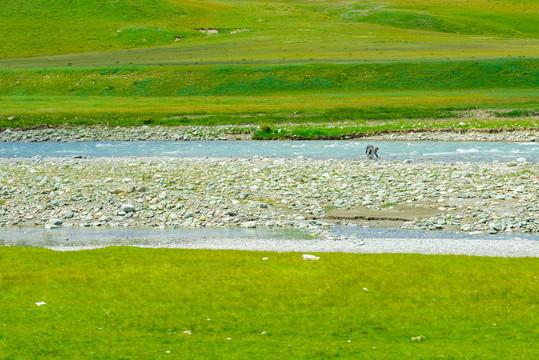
x=389 y=150
x=243 y=239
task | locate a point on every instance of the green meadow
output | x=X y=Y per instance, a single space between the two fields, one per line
x=161 y=32
x=248 y=94
x=229 y=80
x=124 y=303
x=174 y=62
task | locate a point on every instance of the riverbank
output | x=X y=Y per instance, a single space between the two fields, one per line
x=363 y=241
x=494 y=248
x=301 y=193
x=229 y=132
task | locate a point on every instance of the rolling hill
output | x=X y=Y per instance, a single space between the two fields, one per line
x=62 y=59
x=169 y=32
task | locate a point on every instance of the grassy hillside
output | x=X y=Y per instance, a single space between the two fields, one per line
x=488 y=18
x=262 y=31
x=169 y=61
x=72 y=26
x=263 y=94
x=264 y=80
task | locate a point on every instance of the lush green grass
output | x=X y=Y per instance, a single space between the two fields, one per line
x=262 y=80
x=95 y=32
x=271 y=61
x=348 y=130
x=120 y=303
x=510 y=19
x=211 y=95
x=31 y=111
x=67 y=26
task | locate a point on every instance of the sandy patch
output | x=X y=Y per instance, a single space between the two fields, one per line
x=392 y=216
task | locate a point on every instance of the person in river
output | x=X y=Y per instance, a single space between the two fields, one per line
x=371 y=153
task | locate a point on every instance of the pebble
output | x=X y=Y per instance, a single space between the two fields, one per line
x=127 y=208
x=259 y=192
x=228 y=132
x=143 y=133
x=283 y=193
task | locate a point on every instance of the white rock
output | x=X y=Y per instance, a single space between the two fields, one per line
x=128 y=208
x=249 y=224
x=310 y=257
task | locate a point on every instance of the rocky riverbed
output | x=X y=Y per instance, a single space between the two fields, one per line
x=187 y=133
x=313 y=195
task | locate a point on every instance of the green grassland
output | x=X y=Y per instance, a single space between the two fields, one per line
x=261 y=80
x=120 y=303
x=133 y=62
x=25 y=112
x=123 y=32
x=233 y=94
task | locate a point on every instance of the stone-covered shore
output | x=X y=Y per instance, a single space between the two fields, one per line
x=313 y=195
x=190 y=133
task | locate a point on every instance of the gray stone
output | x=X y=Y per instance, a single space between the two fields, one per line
x=249 y=224
x=55 y=221
x=243 y=195
x=128 y=208
x=496 y=226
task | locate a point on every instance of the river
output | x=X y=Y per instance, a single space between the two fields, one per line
x=389 y=150
x=263 y=239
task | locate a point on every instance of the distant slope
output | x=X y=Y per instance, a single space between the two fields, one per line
x=258 y=31
x=270 y=80
x=34 y=27
x=488 y=18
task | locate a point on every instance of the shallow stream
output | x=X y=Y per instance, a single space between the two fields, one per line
x=389 y=150
x=253 y=239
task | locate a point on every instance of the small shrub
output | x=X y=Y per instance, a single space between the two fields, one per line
x=266 y=128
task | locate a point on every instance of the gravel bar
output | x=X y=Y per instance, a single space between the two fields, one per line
x=268 y=193
x=493 y=248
